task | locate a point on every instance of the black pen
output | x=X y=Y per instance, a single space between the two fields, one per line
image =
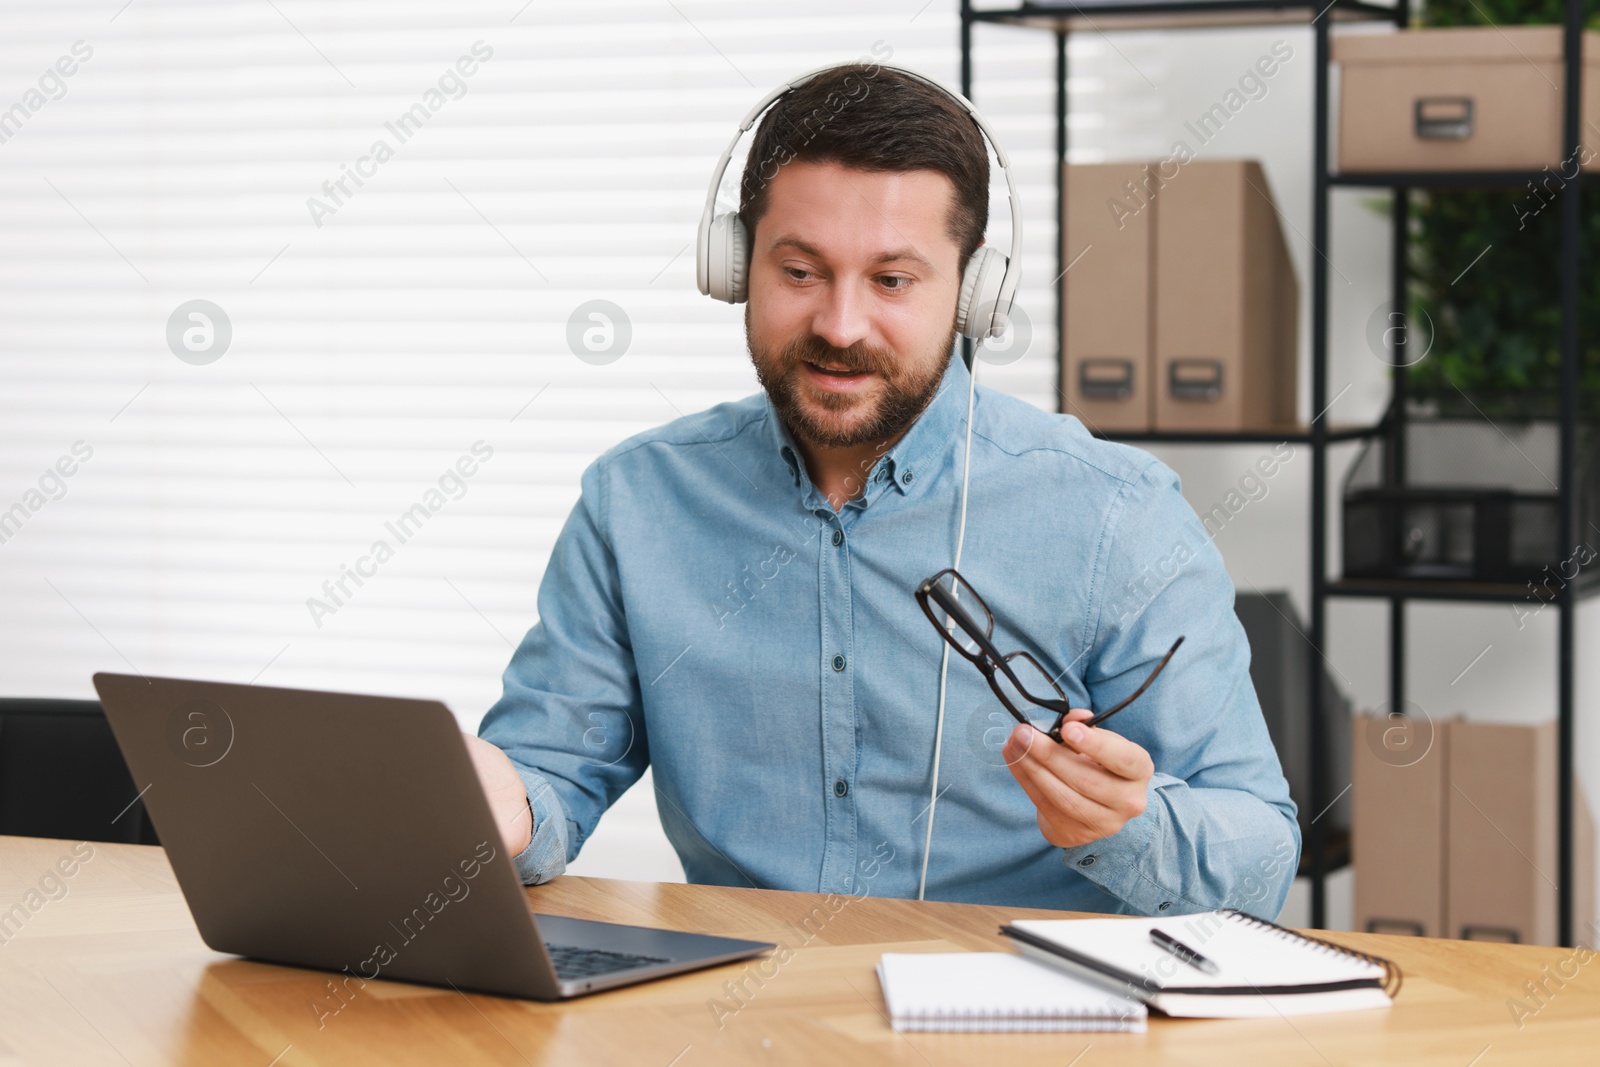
x=1188 y=955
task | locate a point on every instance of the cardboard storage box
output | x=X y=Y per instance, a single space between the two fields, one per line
x=1107 y=358
x=1227 y=306
x=1182 y=312
x=1459 y=98
x=1457 y=837
x=1502 y=834
x=1397 y=838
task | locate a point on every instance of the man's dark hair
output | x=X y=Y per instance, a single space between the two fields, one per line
x=869 y=117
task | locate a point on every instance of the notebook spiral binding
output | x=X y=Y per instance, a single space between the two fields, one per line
x=1392 y=978
x=973 y=1020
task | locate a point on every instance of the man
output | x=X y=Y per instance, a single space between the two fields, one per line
x=731 y=601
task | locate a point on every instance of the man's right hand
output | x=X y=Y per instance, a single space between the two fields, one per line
x=508 y=797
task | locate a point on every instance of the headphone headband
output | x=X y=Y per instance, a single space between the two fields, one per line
x=1001 y=310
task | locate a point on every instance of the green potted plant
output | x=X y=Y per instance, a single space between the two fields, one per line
x=1485 y=271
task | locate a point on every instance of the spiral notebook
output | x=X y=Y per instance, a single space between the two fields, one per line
x=991 y=991
x=1262 y=969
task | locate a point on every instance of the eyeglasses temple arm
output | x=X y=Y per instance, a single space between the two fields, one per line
x=953 y=608
x=1104 y=715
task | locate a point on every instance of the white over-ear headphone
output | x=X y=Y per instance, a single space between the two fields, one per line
x=988 y=282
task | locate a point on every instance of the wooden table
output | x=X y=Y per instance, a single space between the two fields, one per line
x=112 y=971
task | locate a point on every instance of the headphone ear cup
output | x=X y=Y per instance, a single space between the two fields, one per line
x=980 y=288
x=728 y=259
x=738 y=260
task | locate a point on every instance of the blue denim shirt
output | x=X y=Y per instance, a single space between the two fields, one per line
x=707 y=613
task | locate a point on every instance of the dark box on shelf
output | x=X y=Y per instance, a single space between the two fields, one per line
x=1281 y=665
x=1475 y=502
x=1476 y=535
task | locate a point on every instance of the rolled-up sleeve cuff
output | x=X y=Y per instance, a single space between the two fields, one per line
x=1117 y=864
x=546 y=854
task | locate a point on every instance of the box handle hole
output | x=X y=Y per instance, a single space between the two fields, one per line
x=1444 y=118
x=1195 y=379
x=1105 y=379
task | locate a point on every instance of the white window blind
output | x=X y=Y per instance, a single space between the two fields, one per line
x=392 y=211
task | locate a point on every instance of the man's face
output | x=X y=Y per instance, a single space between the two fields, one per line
x=853 y=286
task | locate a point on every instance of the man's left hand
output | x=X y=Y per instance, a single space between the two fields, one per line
x=1085 y=789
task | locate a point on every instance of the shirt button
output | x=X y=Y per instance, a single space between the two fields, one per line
x=1087 y=861
x=883 y=474
x=838 y=663
x=840 y=787
x=838 y=538
x=905 y=479
x=1164 y=905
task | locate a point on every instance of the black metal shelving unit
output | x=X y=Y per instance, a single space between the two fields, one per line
x=1099 y=16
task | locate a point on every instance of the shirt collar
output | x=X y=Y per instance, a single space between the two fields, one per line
x=914 y=456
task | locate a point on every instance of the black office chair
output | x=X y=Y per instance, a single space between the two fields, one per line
x=62 y=775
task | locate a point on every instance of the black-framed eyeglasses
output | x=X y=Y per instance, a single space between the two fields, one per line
x=965 y=621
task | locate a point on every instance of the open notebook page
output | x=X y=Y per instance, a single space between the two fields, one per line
x=1245 y=954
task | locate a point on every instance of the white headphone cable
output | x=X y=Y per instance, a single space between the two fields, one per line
x=944 y=659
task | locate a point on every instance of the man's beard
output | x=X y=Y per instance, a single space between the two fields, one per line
x=901 y=398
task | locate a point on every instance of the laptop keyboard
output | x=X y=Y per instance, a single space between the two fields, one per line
x=571 y=961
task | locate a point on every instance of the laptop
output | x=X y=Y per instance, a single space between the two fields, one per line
x=350 y=833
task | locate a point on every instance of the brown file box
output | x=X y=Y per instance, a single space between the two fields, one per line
x=1398 y=825
x=1458 y=98
x=1585 y=921
x=1106 y=343
x=1226 y=301
x=1502 y=835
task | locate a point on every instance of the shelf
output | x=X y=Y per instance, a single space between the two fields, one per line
x=1438 y=179
x=1267 y=435
x=1102 y=15
x=1423 y=589
x=1327 y=845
